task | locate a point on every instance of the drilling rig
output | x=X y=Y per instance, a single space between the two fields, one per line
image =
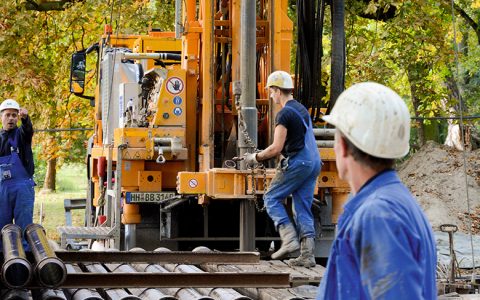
x=172 y=110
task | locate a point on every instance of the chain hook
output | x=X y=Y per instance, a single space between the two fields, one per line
x=160 y=159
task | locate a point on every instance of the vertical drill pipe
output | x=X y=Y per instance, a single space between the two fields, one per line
x=249 y=112
x=16 y=270
x=248 y=75
x=178 y=19
x=49 y=269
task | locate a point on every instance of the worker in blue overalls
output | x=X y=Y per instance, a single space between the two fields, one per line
x=16 y=166
x=296 y=173
x=384 y=248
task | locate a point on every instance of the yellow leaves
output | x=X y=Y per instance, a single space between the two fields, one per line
x=371 y=8
x=475 y=4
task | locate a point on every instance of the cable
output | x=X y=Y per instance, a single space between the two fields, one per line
x=447 y=118
x=308 y=69
x=62 y=129
x=462 y=130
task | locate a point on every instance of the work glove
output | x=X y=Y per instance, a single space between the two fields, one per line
x=250 y=159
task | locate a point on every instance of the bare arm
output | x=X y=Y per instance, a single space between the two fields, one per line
x=279 y=137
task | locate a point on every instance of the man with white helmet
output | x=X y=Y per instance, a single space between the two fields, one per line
x=384 y=248
x=296 y=173
x=16 y=166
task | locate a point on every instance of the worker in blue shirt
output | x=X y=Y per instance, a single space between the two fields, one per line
x=384 y=248
x=16 y=166
x=296 y=172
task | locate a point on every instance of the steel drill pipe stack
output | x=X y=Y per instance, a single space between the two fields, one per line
x=216 y=293
x=16 y=269
x=80 y=293
x=180 y=293
x=49 y=269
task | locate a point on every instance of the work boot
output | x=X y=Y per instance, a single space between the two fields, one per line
x=307 y=257
x=288 y=234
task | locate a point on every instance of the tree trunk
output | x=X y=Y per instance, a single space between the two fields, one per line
x=50 y=176
x=338 y=51
x=416 y=72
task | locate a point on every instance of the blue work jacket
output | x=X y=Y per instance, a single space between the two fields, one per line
x=384 y=249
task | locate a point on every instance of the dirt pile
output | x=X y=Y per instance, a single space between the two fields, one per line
x=436 y=177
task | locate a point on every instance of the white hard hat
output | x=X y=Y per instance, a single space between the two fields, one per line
x=280 y=79
x=9 y=104
x=374 y=118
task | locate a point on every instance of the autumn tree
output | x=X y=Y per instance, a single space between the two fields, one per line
x=35 y=51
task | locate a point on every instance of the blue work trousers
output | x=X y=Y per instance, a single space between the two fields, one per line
x=296 y=177
x=16 y=203
x=17 y=193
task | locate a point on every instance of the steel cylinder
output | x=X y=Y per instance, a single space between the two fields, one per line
x=324 y=132
x=179 y=293
x=80 y=293
x=16 y=269
x=49 y=269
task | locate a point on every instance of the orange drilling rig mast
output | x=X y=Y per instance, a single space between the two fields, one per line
x=171 y=111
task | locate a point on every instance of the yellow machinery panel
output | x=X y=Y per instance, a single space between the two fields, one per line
x=261 y=181
x=130 y=170
x=131 y=214
x=327 y=154
x=149 y=181
x=141 y=145
x=226 y=184
x=171 y=104
x=191 y=182
x=140 y=137
x=220 y=183
x=331 y=179
x=339 y=198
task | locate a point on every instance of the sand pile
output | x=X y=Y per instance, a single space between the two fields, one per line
x=437 y=178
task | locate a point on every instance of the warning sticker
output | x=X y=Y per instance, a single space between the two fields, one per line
x=175 y=85
x=193 y=183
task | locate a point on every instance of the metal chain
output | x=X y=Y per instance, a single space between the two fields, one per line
x=260 y=167
x=243 y=126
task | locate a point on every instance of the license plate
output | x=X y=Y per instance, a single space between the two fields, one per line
x=147 y=197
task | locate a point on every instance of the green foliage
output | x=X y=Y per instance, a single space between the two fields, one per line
x=72 y=178
x=51 y=206
x=35 y=51
x=70 y=184
x=40 y=166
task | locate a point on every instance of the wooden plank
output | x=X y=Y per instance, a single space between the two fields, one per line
x=280 y=266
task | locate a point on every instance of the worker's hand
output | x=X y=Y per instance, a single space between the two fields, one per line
x=251 y=159
x=22 y=113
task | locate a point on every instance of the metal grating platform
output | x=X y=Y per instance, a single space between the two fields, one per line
x=74 y=232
